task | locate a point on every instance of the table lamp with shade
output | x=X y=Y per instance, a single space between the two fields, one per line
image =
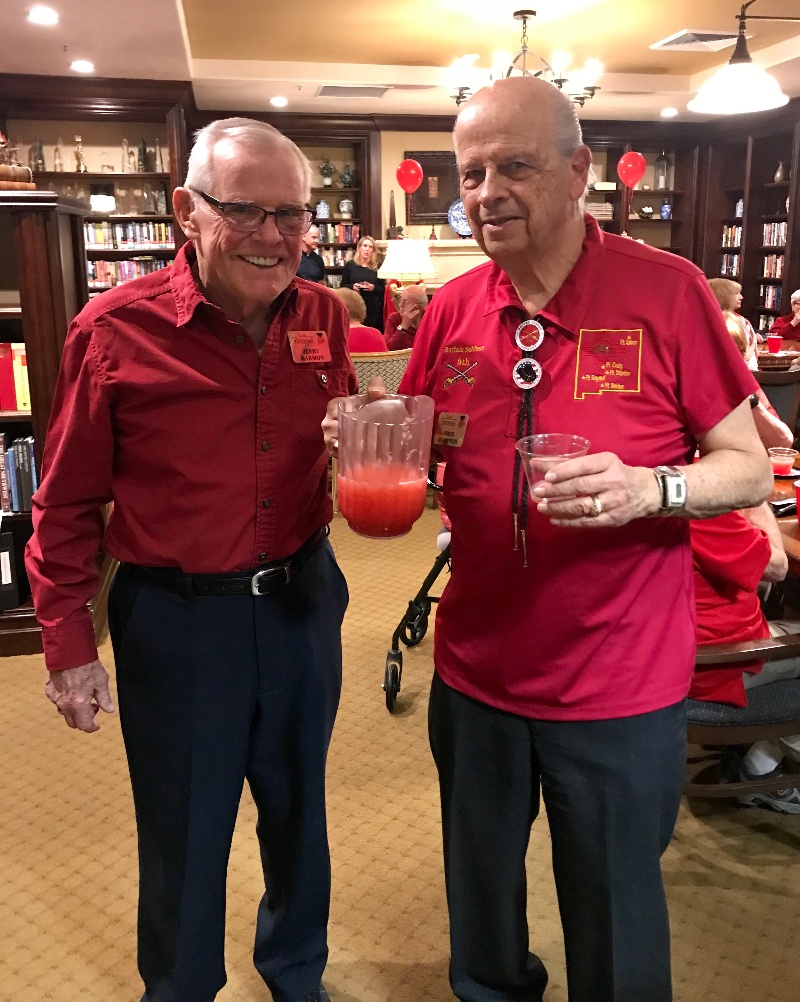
x=408 y=261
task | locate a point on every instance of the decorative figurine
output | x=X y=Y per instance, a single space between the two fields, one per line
x=80 y=163
x=58 y=157
x=125 y=156
x=780 y=173
x=131 y=161
x=666 y=209
x=646 y=212
x=159 y=164
x=327 y=170
x=36 y=157
x=347 y=178
x=432 y=234
x=346 y=208
x=142 y=164
x=739 y=210
x=323 y=210
x=161 y=201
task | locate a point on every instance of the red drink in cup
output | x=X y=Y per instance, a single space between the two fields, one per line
x=782 y=460
x=384 y=453
x=774 y=342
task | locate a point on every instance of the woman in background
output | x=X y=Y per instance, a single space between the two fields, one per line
x=729 y=296
x=789 y=326
x=361 y=274
x=360 y=338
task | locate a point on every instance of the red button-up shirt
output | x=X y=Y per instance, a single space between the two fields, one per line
x=212 y=454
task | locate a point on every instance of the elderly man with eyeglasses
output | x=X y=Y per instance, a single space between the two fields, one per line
x=192 y=399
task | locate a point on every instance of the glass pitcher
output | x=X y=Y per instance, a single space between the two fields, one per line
x=384 y=454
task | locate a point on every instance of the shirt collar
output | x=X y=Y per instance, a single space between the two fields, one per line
x=568 y=306
x=188 y=294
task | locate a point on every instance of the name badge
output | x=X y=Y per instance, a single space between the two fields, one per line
x=450 y=429
x=309 y=346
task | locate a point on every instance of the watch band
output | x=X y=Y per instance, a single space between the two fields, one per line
x=672 y=484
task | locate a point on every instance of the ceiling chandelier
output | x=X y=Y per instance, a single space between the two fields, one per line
x=741 y=85
x=580 y=84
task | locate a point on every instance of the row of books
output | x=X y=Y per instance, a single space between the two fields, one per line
x=15 y=392
x=773 y=266
x=19 y=477
x=107 y=235
x=775 y=234
x=600 y=210
x=729 y=267
x=339 y=233
x=732 y=235
x=105 y=274
x=337 y=258
x=769 y=296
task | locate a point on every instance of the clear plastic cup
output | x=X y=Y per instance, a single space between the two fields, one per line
x=384 y=454
x=541 y=452
x=782 y=460
x=774 y=342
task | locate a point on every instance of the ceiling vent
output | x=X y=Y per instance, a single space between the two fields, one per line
x=333 y=90
x=688 y=40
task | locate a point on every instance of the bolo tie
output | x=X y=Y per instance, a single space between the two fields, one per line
x=526 y=374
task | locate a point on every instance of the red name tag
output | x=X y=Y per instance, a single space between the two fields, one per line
x=309 y=346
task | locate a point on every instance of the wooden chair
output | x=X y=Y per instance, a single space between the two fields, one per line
x=390 y=365
x=782 y=389
x=772 y=711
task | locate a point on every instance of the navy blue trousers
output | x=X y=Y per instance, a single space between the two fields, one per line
x=612 y=789
x=213 y=691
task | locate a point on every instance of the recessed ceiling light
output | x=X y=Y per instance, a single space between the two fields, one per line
x=42 y=15
x=82 y=66
x=279 y=102
x=669 y=112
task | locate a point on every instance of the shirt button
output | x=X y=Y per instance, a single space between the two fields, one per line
x=263 y=391
x=262 y=556
x=323 y=378
x=240 y=338
x=265 y=446
x=265 y=503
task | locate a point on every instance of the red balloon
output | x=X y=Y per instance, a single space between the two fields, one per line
x=409 y=176
x=631 y=168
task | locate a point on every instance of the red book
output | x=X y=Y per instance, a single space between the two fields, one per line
x=8 y=394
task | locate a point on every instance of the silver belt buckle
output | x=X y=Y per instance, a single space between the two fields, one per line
x=261 y=574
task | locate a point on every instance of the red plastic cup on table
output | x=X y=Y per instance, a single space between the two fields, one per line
x=541 y=452
x=782 y=460
x=384 y=454
x=774 y=342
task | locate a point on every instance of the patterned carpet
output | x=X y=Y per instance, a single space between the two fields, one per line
x=68 y=847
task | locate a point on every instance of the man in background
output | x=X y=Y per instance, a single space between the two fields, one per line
x=311 y=267
x=401 y=327
x=192 y=400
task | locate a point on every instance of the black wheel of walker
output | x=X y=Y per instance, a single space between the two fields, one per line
x=391 y=679
x=415 y=629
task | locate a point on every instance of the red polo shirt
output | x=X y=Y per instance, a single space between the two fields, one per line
x=729 y=556
x=395 y=338
x=637 y=359
x=211 y=452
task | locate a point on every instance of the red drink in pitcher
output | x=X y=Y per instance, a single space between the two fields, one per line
x=381 y=501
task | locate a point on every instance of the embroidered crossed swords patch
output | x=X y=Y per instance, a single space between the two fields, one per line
x=460 y=374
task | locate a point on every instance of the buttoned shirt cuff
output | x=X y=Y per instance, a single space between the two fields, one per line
x=70 y=644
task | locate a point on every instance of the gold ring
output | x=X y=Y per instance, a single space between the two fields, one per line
x=597 y=506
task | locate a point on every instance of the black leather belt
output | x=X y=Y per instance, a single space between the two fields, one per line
x=259 y=581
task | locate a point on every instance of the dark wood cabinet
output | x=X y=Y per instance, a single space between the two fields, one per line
x=46 y=234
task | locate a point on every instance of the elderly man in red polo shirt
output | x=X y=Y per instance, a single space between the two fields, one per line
x=565 y=639
x=401 y=327
x=192 y=399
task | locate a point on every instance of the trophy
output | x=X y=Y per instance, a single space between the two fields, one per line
x=80 y=163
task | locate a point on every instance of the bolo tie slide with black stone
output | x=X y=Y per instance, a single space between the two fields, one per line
x=526 y=374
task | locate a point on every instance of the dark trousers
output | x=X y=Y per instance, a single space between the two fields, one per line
x=213 y=691
x=612 y=790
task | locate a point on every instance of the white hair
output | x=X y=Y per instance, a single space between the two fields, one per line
x=246 y=132
x=795 y=296
x=569 y=134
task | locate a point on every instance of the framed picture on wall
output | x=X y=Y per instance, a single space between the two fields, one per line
x=439 y=188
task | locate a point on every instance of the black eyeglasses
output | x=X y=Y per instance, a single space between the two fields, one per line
x=247 y=217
